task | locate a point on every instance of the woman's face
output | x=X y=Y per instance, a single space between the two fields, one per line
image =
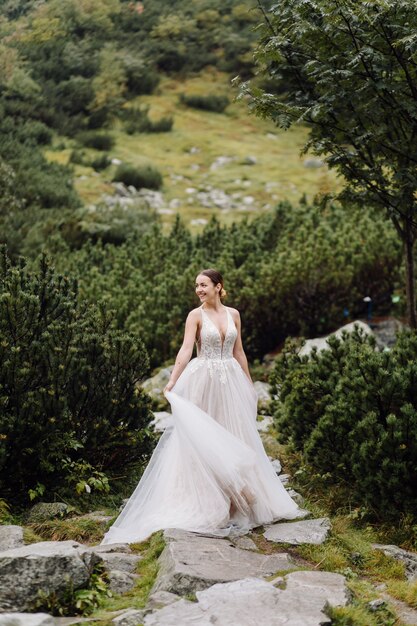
x=205 y=288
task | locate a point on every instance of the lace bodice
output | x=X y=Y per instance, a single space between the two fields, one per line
x=210 y=345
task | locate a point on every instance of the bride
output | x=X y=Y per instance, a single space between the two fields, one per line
x=209 y=473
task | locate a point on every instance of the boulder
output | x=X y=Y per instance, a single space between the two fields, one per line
x=313 y=531
x=321 y=342
x=252 y=601
x=120 y=548
x=44 y=511
x=264 y=396
x=121 y=582
x=120 y=561
x=265 y=423
x=26 y=619
x=10 y=537
x=245 y=543
x=161 y=598
x=193 y=562
x=297 y=497
x=386 y=331
x=277 y=467
x=49 y=566
x=155 y=385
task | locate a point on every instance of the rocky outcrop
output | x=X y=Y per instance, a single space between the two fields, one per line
x=321 y=342
x=193 y=562
x=248 y=601
x=131 y=617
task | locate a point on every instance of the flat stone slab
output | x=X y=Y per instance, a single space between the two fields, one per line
x=193 y=562
x=121 y=582
x=120 y=562
x=26 y=619
x=131 y=617
x=313 y=531
x=10 y=537
x=252 y=601
x=47 y=566
x=408 y=558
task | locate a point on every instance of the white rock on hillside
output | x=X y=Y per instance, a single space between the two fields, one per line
x=321 y=342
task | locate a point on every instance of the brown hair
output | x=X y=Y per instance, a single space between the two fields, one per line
x=215 y=278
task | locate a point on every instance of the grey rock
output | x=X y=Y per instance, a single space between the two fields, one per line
x=375 y=605
x=313 y=163
x=277 y=466
x=26 y=619
x=386 y=332
x=10 y=537
x=49 y=566
x=131 y=617
x=264 y=396
x=155 y=385
x=121 y=582
x=252 y=601
x=220 y=162
x=121 y=562
x=162 y=420
x=284 y=478
x=160 y=599
x=313 y=531
x=249 y=160
x=100 y=517
x=44 y=511
x=406 y=557
x=245 y=543
x=264 y=424
x=112 y=547
x=192 y=562
x=321 y=342
x=297 y=497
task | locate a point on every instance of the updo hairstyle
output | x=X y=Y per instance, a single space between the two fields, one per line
x=215 y=278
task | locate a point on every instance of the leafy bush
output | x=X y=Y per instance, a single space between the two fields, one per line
x=140 y=177
x=98 y=141
x=352 y=412
x=212 y=102
x=70 y=409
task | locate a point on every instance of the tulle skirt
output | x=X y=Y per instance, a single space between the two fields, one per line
x=209 y=473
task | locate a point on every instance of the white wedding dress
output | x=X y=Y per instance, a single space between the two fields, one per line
x=209 y=473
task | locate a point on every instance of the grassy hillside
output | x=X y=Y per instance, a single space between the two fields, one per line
x=186 y=154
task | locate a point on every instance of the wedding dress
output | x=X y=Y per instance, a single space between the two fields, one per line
x=209 y=473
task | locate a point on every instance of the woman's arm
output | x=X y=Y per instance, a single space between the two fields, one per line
x=238 y=351
x=186 y=350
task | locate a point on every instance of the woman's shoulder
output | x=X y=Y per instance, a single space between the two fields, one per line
x=195 y=313
x=233 y=312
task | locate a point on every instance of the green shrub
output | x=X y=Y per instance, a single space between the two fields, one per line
x=101 y=162
x=140 y=177
x=137 y=121
x=352 y=412
x=212 y=102
x=70 y=410
x=98 y=141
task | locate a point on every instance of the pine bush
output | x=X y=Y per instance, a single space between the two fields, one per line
x=140 y=177
x=71 y=414
x=352 y=412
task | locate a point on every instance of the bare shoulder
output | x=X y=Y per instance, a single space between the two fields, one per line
x=234 y=313
x=194 y=315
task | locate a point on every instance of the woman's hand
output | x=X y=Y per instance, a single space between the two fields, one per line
x=169 y=386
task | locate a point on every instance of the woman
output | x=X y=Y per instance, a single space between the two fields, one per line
x=209 y=473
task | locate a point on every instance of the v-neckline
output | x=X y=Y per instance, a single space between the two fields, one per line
x=222 y=339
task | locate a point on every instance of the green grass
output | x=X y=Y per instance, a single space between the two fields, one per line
x=234 y=133
x=147 y=568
